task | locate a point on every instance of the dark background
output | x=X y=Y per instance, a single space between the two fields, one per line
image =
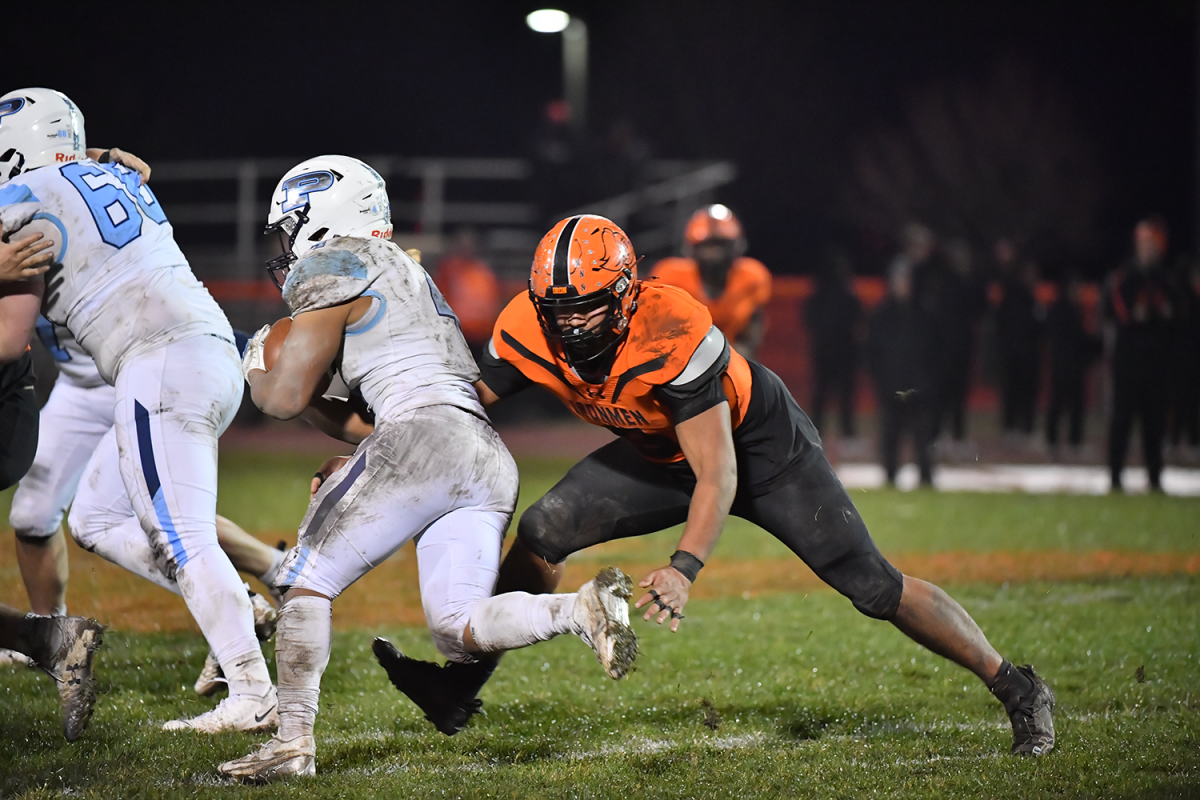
x=791 y=92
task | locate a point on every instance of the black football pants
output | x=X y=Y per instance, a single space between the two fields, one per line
x=615 y=493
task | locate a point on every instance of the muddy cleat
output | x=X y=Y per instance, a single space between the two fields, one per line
x=71 y=667
x=602 y=616
x=1033 y=718
x=211 y=678
x=237 y=713
x=274 y=760
x=265 y=617
x=446 y=695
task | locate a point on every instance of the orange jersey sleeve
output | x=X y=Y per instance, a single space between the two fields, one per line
x=747 y=289
x=664 y=332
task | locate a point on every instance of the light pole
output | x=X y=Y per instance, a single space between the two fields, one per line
x=575 y=56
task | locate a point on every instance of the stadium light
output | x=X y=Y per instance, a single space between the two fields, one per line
x=548 y=20
x=575 y=56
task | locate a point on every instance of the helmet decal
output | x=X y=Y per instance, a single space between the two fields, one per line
x=10 y=106
x=296 y=190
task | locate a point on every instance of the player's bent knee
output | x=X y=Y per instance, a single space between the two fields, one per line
x=873 y=585
x=447 y=631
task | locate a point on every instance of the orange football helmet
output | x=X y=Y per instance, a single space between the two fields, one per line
x=715 y=223
x=584 y=263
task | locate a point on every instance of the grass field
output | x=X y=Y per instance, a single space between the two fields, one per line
x=773 y=687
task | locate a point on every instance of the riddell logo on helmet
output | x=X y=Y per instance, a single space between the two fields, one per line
x=381 y=234
x=62 y=158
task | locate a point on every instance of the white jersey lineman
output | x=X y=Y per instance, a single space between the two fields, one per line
x=73 y=421
x=125 y=291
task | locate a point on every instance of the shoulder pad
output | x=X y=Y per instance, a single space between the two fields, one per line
x=326 y=276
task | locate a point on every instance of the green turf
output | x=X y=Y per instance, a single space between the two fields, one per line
x=804 y=697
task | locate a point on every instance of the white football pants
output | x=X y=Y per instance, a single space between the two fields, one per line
x=439 y=474
x=72 y=423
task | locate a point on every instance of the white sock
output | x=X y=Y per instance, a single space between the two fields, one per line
x=302 y=640
x=517 y=619
x=269 y=577
x=217 y=599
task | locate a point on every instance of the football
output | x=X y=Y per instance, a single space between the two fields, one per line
x=274 y=341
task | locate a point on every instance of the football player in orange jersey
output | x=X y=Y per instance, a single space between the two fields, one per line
x=733 y=287
x=703 y=433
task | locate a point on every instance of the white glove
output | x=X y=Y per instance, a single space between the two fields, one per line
x=254 y=352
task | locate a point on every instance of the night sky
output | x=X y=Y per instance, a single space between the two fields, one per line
x=786 y=90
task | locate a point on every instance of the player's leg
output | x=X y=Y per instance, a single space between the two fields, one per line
x=1121 y=425
x=18 y=419
x=814 y=516
x=613 y=493
x=63 y=647
x=172 y=404
x=73 y=421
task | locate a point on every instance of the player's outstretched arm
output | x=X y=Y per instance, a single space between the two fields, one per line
x=19 y=305
x=707 y=442
x=305 y=357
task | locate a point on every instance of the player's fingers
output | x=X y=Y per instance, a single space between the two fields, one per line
x=27 y=241
x=33 y=272
x=646 y=598
x=38 y=257
x=674 y=625
x=316 y=484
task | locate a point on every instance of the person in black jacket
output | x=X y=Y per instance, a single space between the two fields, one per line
x=960 y=303
x=1141 y=305
x=1018 y=334
x=1072 y=350
x=833 y=314
x=1187 y=360
x=900 y=347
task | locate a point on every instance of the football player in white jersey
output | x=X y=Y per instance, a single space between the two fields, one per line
x=430 y=467
x=123 y=288
x=73 y=425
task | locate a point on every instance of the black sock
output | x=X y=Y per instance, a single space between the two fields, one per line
x=1010 y=685
x=40 y=638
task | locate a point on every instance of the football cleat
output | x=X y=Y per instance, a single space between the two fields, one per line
x=71 y=668
x=211 y=677
x=235 y=713
x=1033 y=718
x=446 y=695
x=274 y=760
x=265 y=617
x=602 y=618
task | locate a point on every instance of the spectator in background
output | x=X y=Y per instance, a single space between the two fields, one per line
x=1018 y=337
x=560 y=155
x=622 y=162
x=714 y=270
x=900 y=353
x=919 y=255
x=1187 y=405
x=960 y=304
x=833 y=316
x=1141 y=306
x=1072 y=350
x=471 y=289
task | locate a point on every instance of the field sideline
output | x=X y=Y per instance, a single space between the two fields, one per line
x=774 y=686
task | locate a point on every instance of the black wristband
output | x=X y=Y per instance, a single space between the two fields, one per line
x=105 y=157
x=686 y=564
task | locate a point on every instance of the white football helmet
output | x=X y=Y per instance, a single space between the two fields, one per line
x=321 y=198
x=38 y=127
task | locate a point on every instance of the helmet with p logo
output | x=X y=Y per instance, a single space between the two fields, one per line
x=321 y=198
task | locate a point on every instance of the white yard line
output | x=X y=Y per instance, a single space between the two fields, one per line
x=1034 y=478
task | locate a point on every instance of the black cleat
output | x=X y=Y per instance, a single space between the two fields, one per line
x=1033 y=718
x=446 y=695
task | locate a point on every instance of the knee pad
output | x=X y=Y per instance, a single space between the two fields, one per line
x=543 y=529
x=876 y=589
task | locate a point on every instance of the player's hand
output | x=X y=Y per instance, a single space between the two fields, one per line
x=253 y=359
x=123 y=158
x=666 y=596
x=328 y=468
x=26 y=257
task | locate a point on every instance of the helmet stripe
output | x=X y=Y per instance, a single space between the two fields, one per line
x=562 y=254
